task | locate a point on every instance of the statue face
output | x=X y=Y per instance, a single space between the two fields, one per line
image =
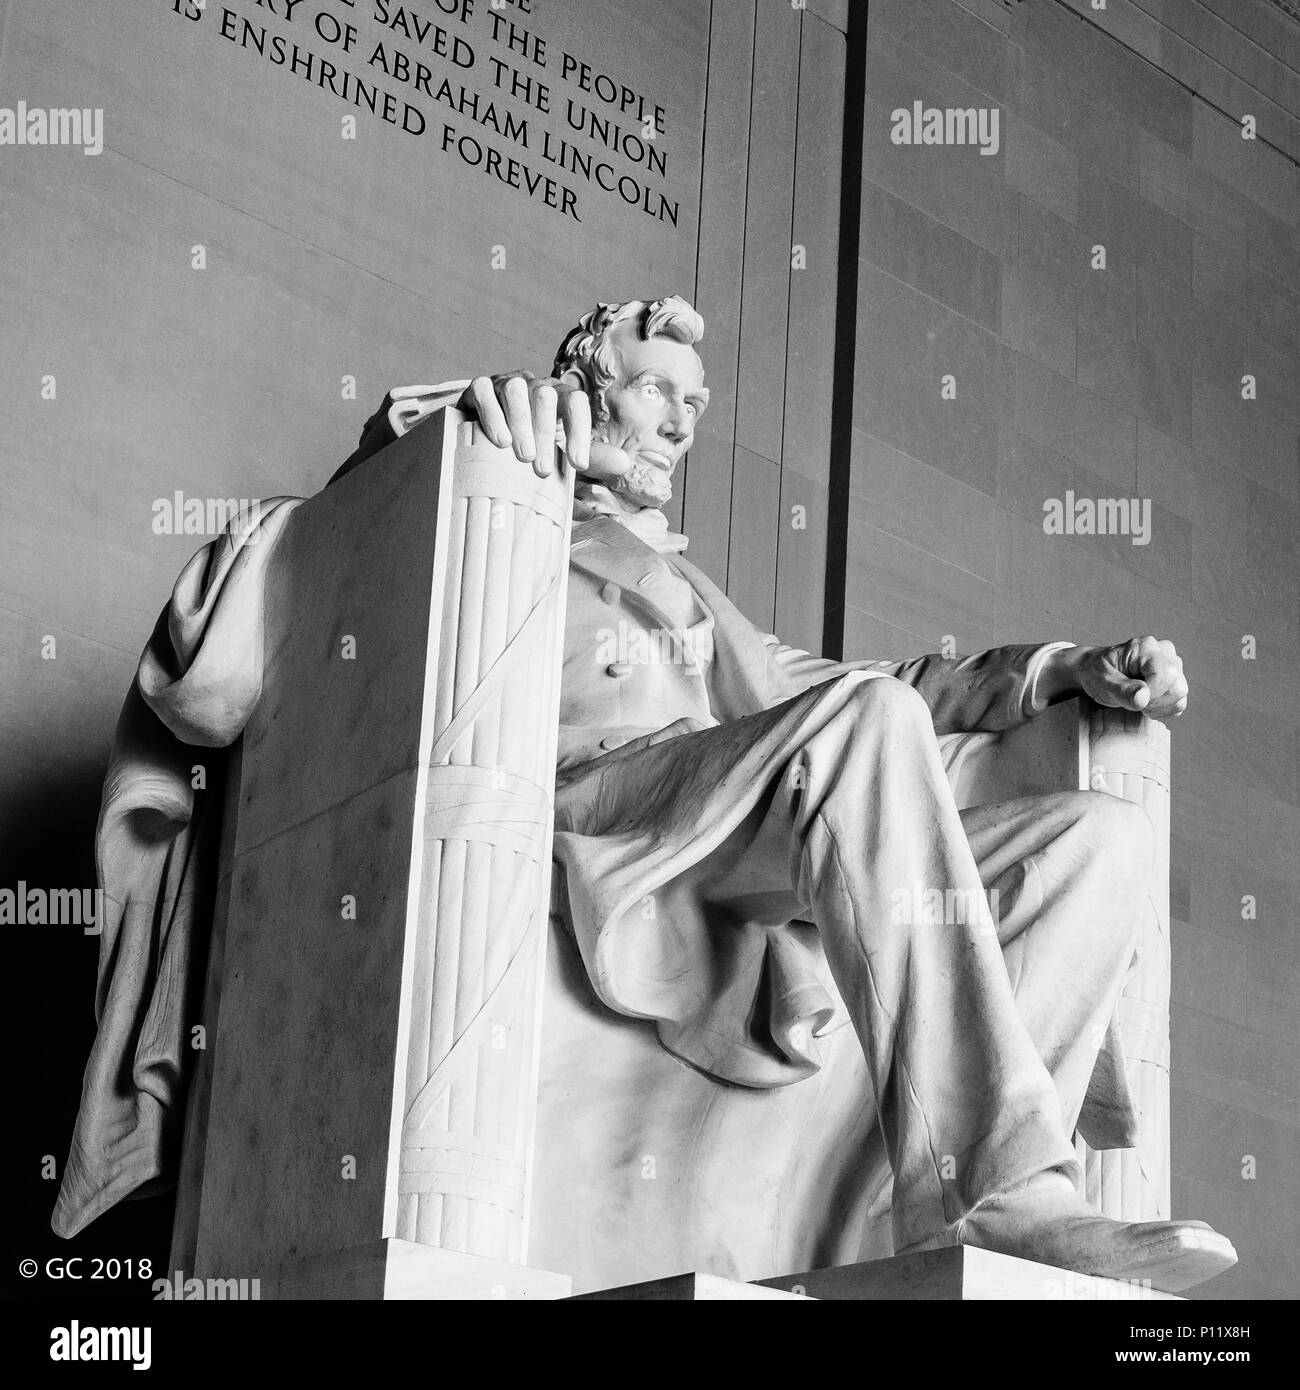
x=653 y=406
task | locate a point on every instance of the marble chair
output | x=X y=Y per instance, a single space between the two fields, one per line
x=424 y=1093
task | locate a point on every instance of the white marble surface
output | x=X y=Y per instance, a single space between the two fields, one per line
x=964 y=1274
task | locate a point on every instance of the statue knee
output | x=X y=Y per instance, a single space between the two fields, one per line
x=887 y=697
x=1116 y=826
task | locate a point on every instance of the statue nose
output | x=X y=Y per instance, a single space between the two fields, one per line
x=676 y=426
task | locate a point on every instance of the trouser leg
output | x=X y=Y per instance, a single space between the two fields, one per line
x=1069 y=878
x=862 y=827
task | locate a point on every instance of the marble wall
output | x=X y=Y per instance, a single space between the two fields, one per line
x=840 y=498
x=757 y=481
x=1118 y=128
x=278 y=228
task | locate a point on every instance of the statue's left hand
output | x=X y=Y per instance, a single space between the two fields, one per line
x=1144 y=674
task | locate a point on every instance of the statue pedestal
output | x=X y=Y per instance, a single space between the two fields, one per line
x=690 y=1288
x=962 y=1274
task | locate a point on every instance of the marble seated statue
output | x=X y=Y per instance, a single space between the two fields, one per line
x=785 y=963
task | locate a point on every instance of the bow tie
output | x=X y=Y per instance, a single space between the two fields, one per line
x=648 y=524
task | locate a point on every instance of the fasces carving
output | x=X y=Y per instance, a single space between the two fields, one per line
x=482 y=917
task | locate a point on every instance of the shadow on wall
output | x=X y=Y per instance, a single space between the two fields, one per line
x=48 y=841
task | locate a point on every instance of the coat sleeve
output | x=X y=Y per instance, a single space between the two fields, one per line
x=989 y=691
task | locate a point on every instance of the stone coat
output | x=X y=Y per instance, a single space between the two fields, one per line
x=653 y=648
x=721 y=666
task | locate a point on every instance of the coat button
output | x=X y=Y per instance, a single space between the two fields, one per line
x=612 y=742
x=611 y=593
x=619 y=668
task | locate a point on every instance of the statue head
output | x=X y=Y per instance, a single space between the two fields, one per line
x=638 y=364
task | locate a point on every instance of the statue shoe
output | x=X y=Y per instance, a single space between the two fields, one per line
x=1045 y=1220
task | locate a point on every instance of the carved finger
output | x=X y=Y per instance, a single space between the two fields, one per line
x=544 y=408
x=1157 y=664
x=575 y=414
x=519 y=417
x=1162 y=681
x=1120 y=683
x=1129 y=694
x=483 y=401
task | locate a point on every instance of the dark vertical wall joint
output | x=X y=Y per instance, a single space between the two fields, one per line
x=846 y=331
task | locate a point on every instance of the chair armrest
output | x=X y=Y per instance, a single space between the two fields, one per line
x=1047 y=754
x=1075 y=746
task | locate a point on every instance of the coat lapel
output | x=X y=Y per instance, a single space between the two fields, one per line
x=742 y=677
x=611 y=554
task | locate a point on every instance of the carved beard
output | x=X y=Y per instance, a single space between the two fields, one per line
x=645 y=485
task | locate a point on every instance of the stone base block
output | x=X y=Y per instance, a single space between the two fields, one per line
x=704 y=1288
x=958 y=1274
x=401 y=1269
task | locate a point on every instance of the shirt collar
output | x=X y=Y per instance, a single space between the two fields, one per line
x=648 y=524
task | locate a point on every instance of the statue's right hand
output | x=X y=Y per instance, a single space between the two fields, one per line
x=520 y=411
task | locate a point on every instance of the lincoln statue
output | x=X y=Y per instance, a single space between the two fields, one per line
x=754 y=845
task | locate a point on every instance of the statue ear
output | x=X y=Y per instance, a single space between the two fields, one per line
x=573 y=377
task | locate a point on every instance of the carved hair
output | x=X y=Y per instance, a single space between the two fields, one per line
x=586 y=348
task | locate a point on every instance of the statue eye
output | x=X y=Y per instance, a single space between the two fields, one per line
x=651 y=388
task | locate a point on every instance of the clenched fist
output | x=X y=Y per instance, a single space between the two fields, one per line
x=1144 y=674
